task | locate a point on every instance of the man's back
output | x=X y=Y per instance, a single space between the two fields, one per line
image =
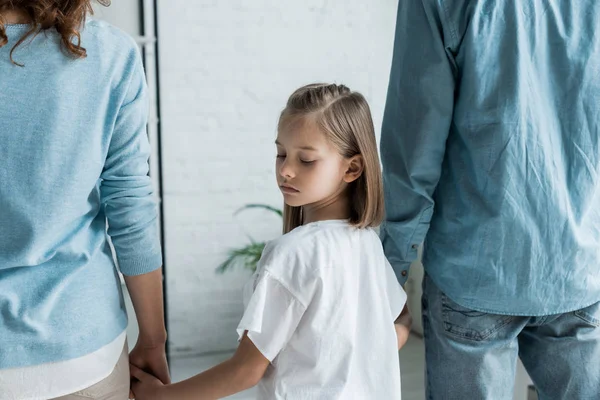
x=501 y=135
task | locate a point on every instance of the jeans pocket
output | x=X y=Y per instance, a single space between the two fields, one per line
x=470 y=324
x=590 y=315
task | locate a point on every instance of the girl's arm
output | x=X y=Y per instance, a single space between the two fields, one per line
x=242 y=371
x=402 y=325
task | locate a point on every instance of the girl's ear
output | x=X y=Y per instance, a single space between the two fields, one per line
x=354 y=169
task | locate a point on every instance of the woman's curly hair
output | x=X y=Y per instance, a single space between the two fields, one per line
x=66 y=16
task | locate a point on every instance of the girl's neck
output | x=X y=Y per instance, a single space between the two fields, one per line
x=338 y=208
x=13 y=17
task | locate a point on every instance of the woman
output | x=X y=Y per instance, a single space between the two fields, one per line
x=74 y=167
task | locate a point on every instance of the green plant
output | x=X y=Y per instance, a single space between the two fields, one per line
x=248 y=255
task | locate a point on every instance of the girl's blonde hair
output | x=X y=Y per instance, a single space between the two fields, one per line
x=345 y=118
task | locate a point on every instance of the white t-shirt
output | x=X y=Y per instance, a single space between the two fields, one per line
x=321 y=307
x=47 y=381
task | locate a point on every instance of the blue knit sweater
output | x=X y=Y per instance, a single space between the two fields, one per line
x=73 y=172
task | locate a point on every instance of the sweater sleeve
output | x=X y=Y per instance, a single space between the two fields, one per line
x=125 y=186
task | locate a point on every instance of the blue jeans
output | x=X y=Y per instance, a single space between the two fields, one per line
x=472 y=355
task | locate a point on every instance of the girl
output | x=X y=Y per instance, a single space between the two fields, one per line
x=323 y=316
x=74 y=157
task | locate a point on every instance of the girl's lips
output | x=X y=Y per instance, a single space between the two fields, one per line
x=288 y=189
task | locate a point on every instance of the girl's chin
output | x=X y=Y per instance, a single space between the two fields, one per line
x=291 y=201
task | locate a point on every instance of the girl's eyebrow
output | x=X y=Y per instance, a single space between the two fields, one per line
x=310 y=148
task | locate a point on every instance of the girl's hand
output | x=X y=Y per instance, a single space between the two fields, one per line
x=147 y=387
x=402 y=325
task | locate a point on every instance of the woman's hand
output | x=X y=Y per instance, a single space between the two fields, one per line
x=147 y=298
x=146 y=386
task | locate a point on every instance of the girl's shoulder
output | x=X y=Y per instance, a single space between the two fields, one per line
x=298 y=259
x=292 y=260
x=295 y=245
x=310 y=246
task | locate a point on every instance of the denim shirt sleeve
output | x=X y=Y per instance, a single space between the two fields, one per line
x=416 y=124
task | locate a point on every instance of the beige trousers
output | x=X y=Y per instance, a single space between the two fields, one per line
x=114 y=387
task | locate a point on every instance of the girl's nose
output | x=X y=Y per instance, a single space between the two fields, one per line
x=285 y=170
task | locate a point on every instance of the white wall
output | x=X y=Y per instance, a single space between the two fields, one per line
x=124 y=14
x=226 y=70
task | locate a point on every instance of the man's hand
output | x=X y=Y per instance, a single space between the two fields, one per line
x=152 y=359
x=146 y=386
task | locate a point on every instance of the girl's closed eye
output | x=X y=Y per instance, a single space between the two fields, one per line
x=306 y=158
x=302 y=160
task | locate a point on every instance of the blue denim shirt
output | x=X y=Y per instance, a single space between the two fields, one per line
x=491 y=151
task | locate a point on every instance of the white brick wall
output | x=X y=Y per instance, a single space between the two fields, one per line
x=226 y=70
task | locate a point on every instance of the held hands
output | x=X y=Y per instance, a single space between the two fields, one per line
x=151 y=358
x=145 y=386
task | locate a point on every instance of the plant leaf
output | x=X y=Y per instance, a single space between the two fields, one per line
x=247 y=257
x=263 y=206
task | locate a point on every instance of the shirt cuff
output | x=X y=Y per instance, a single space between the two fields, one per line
x=140 y=265
x=401 y=269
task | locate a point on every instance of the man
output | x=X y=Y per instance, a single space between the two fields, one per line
x=491 y=154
